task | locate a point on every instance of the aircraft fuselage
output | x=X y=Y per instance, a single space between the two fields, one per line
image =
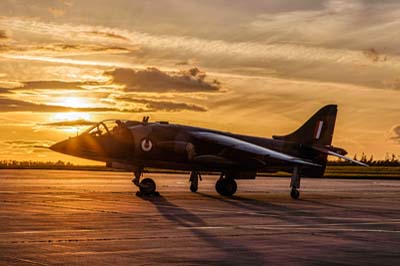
x=171 y=146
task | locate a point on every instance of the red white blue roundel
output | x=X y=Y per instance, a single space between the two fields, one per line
x=146 y=145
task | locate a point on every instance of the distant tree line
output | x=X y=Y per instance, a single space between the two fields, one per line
x=14 y=164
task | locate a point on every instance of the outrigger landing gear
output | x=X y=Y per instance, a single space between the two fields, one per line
x=147 y=187
x=295 y=183
x=194 y=181
x=226 y=185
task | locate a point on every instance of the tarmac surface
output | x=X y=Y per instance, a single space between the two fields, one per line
x=95 y=218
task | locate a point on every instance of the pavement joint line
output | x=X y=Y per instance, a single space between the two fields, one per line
x=28 y=261
x=50 y=241
x=177 y=207
x=315 y=229
x=255 y=226
x=65 y=207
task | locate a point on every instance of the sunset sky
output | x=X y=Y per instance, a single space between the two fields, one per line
x=251 y=67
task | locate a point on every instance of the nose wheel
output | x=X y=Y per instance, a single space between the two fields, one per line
x=147 y=187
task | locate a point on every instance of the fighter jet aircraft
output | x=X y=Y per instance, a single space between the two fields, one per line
x=136 y=145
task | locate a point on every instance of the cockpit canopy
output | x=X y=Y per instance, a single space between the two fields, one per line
x=110 y=127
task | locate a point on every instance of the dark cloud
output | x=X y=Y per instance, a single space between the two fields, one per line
x=373 y=55
x=11 y=105
x=56 y=84
x=155 y=80
x=182 y=63
x=107 y=34
x=394 y=134
x=23 y=144
x=169 y=106
x=4 y=90
x=3 y=34
x=70 y=123
x=149 y=80
x=191 y=61
x=63 y=48
x=40 y=149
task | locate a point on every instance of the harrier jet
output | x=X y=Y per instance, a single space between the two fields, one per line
x=136 y=145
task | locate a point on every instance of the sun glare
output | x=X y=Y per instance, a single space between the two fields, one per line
x=71 y=116
x=74 y=102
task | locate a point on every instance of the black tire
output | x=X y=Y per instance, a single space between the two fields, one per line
x=193 y=188
x=226 y=187
x=295 y=194
x=147 y=186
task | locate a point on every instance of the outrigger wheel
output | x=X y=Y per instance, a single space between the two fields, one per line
x=295 y=194
x=226 y=186
x=295 y=182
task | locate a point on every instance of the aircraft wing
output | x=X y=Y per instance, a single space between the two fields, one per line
x=248 y=147
x=330 y=152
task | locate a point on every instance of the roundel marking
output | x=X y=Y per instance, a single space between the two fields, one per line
x=146 y=145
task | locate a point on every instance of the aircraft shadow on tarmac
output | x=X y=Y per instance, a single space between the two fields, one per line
x=236 y=254
x=263 y=207
x=292 y=215
x=354 y=210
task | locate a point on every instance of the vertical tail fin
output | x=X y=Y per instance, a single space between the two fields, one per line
x=318 y=130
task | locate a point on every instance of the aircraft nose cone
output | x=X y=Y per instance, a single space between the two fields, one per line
x=76 y=146
x=59 y=146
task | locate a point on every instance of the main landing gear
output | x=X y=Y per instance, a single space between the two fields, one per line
x=226 y=185
x=194 y=181
x=295 y=183
x=147 y=187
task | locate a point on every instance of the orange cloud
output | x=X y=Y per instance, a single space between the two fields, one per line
x=108 y=34
x=56 y=12
x=55 y=84
x=3 y=34
x=12 y=105
x=154 y=80
x=394 y=134
x=71 y=123
x=169 y=106
x=60 y=49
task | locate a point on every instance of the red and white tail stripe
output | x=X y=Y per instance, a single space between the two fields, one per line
x=318 y=129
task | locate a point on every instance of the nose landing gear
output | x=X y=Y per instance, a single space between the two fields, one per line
x=147 y=187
